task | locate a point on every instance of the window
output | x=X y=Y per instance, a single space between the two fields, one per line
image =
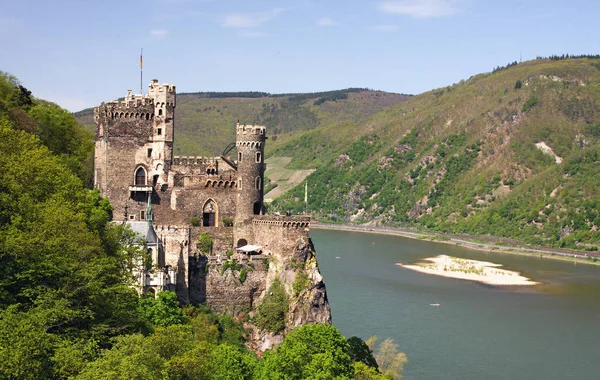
x=159 y=131
x=258 y=157
x=131 y=217
x=257 y=208
x=160 y=112
x=149 y=152
x=140 y=177
x=209 y=214
x=257 y=183
x=239 y=156
x=142 y=215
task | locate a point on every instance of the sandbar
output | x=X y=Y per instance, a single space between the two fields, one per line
x=472 y=270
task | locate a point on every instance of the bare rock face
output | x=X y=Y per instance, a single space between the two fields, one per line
x=311 y=304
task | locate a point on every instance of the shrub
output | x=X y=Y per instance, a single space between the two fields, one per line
x=301 y=282
x=272 y=312
x=529 y=104
x=195 y=221
x=228 y=222
x=243 y=274
x=518 y=84
x=204 y=243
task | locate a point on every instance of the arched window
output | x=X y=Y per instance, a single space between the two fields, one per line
x=258 y=157
x=257 y=208
x=140 y=177
x=241 y=243
x=209 y=213
x=160 y=112
x=239 y=156
x=257 y=183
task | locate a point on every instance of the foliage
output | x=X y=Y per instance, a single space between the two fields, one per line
x=301 y=282
x=309 y=352
x=391 y=362
x=163 y=310
x=272 y=312
x=243 y=275
x=529 y=104
x=228 y=222
x=230 y=264
x=195 y=221
x=360 y=352
x=204 y=243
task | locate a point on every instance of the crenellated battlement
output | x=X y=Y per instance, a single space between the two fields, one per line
x=196 y=160
x=250 y=132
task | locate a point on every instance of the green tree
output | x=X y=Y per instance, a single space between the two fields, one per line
x=163 y=310
x=309 y=352
x=132 y=357
x=272 y=312
x=360 y=352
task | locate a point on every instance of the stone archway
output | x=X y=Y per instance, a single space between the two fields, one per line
x=210 y=213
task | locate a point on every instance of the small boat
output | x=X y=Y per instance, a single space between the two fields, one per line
x=434 y=304
x=337 y=257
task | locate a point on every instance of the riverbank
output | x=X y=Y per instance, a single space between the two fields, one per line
x=471 y=270
x=558 y=254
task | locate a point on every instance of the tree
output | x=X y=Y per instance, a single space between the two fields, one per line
x=391 y=362
x=518 y=84
x=360 y=352
x=132 y=357
x=163 y=310
x=272 y=312
x=309 y=352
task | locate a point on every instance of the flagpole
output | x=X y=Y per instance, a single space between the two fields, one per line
x=306 y=198
x=141 y=73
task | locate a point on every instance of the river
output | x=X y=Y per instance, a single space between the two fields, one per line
x=547 y=331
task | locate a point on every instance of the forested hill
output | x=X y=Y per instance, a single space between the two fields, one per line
x=205 y=121
x=512 y=153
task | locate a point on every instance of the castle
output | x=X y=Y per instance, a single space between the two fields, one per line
x=170 y=201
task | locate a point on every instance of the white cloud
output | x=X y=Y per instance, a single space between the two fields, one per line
x=385 y=28
x=326 y=21
x=419 y=8
x=249 y=20
x=159 y=32
x=252 y=34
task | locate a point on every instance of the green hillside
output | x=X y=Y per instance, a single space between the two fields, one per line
x=464 y=159
x=206 y=120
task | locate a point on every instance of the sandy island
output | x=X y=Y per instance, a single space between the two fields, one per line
x=472 y=270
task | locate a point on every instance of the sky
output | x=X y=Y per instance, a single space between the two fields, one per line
x=80 y=53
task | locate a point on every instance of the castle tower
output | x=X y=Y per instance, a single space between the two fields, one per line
x=250 y=143
x=134 y=148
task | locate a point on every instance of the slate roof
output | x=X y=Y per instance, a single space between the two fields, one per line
x=144 y=230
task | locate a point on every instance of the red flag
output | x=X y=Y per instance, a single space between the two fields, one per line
x=140 y=61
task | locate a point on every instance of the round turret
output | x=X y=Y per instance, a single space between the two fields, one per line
x=250 y=143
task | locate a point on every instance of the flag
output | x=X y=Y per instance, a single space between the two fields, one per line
x=140 y=60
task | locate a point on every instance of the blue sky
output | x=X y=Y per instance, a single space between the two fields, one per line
x=80 y=53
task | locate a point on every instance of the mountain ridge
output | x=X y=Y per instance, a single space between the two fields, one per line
x=463 y=158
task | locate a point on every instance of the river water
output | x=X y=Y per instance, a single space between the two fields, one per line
x=547 y=331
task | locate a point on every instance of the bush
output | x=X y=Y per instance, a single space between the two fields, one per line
x=228 y=222
x=272 y=312
x=204 y=243
x=195 y=221
x=529 y=104
x=518 y=84
x=301 y=282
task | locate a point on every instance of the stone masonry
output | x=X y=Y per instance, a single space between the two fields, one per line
x=187 y=196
